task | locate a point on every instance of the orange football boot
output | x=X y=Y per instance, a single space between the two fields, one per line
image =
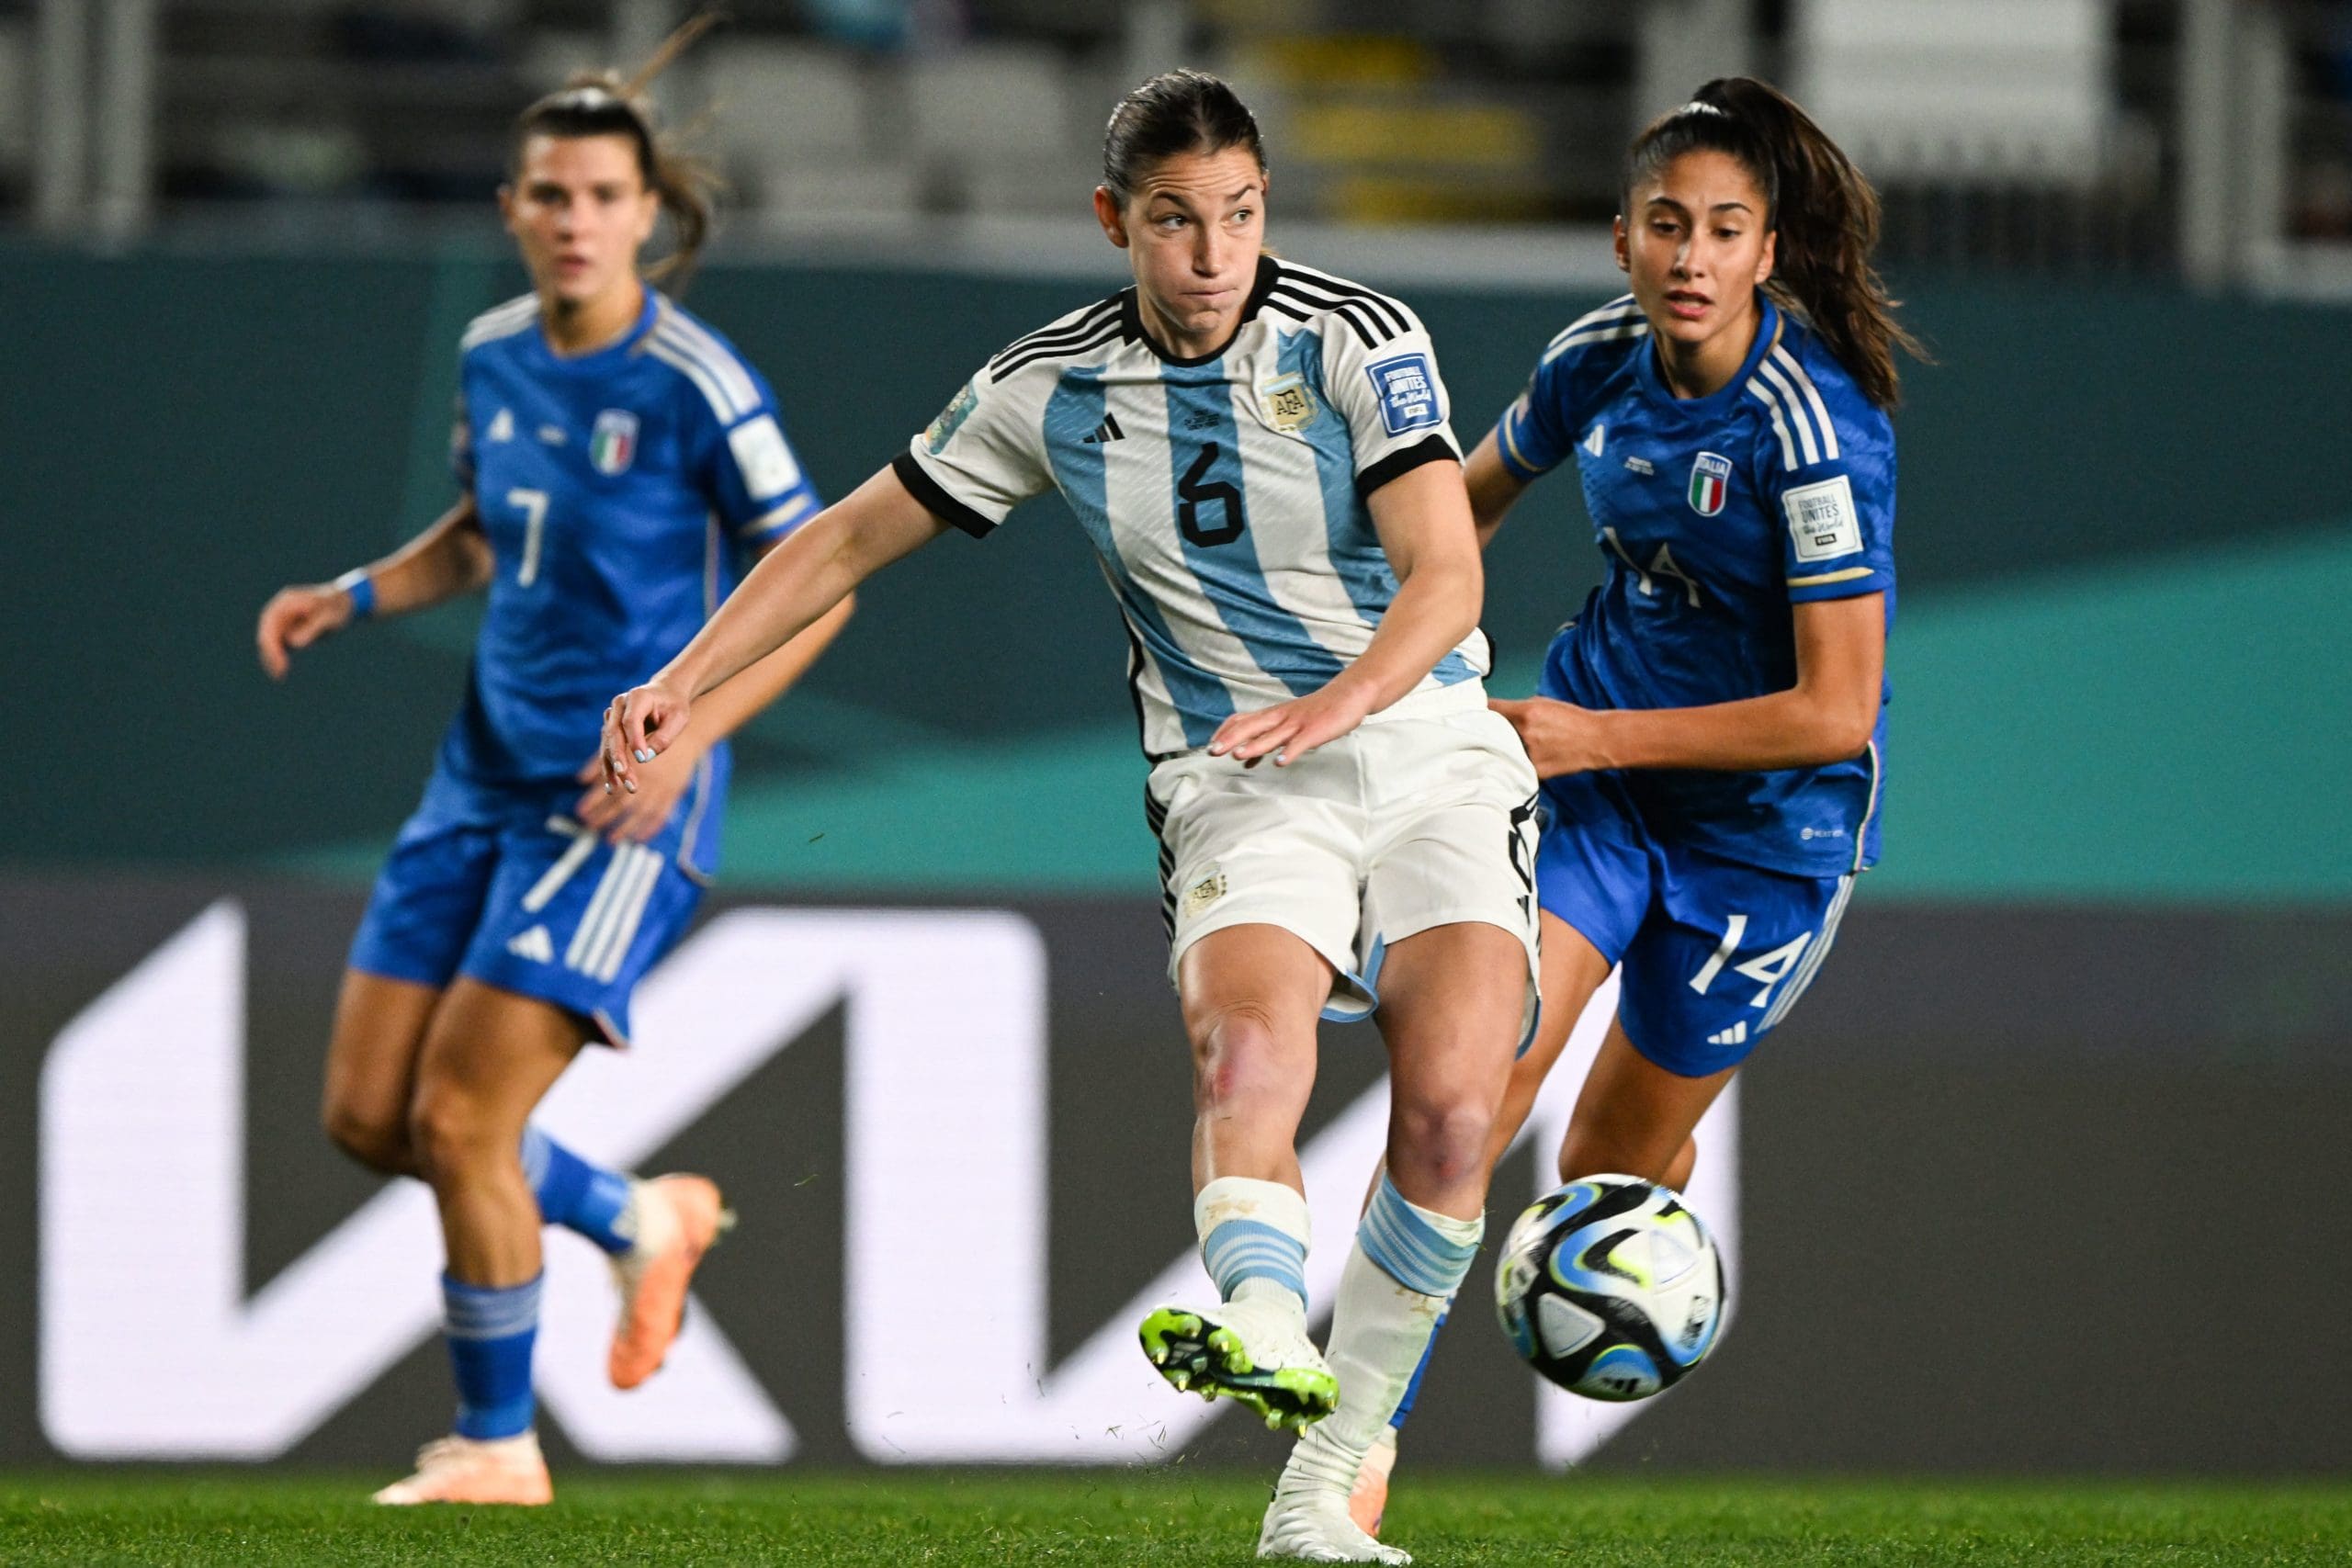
x=678 y=1219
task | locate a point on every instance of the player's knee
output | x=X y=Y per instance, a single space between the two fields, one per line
x=452 y=1133
x=1443 y=1139
x=376 y=1141
x=1237 y=1057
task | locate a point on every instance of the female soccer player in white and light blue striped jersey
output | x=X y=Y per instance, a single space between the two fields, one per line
x=1710 y=727
x=1260 y=456
x=619 y=462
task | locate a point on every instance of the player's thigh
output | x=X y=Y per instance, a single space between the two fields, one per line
x=1573 y=971
x=1451 y=1010
x=1252 y=994
x=379 y=1026
x=1633 y=1117
x=489 y=1057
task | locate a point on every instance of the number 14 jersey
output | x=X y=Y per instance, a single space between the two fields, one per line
x=1716 y=515
x=1224 y=496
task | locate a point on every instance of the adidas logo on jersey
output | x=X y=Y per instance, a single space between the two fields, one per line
x=502 y=427
x=1736 y=1035
x=534 y=945
x=1107 y=431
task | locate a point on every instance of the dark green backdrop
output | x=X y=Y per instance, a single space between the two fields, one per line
x=2122 y=544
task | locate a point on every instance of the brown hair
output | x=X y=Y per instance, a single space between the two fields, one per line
x=1176 y=111
x=1823 y=212
x=604 y=103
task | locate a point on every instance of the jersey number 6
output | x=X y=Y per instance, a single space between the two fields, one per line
x=1196 y=490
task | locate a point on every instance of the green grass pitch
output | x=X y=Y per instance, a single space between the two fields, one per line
x=1038 y=1521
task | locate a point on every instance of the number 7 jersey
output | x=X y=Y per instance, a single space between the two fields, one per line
x=622 y=492
x=1224 y=496
x=1716 y=515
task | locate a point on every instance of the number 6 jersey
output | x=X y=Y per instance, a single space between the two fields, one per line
x=1224 y=496
x=1716 y=515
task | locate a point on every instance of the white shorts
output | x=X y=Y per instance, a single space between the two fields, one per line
x=1401 y=826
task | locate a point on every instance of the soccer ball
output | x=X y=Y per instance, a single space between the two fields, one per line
x=1611 y=1288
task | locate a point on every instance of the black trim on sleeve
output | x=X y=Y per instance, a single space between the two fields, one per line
x=1403 y=461
x=934 y=498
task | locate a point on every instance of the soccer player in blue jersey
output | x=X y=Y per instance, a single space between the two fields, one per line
x=619 y=463
x=1709 y=728
x=1259 y=453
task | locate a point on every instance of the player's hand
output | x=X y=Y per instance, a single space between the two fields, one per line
x=296 y=618
x=623 y=817
x=1560 y=738
x=1288 y=731
x=643 y=723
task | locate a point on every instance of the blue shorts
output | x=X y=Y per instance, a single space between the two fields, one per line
x=505 y=887
x=1715 y=953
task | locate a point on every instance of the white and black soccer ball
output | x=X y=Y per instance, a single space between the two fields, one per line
x=1610 y=1287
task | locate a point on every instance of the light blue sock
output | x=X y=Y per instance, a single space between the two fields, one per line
x=1252 y=1230
x=491 y=1329
x=1419 y=1249
x=574 y=1194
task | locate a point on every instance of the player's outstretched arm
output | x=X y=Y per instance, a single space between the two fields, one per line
x=1825 y=717
x=448 y=558
x=1423 y=520
x=797 y=583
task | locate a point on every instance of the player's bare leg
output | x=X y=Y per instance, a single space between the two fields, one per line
x=489 y=1057
x=379 y=1026
x=1453 y=999
x=1251 y=995
x=1634 y=1118
x=1571 y=971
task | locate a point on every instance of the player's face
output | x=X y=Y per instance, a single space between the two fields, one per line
x=1192 y=229
x=580 y=211
x=1697 y=242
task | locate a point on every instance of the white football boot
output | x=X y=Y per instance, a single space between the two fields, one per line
x=1308 y=1521
x=1253 y=1348
x=472 y=1469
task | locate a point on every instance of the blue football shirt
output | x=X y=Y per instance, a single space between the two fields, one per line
x=623 y=493
x=1715 y=515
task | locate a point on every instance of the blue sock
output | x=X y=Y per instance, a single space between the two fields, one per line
x=1413 y=1389
x=574 y=1194
x=489 y=1329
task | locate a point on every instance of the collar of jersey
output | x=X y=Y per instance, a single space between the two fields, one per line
x=596 y=359
x=1767 y=326
x=1131 y=317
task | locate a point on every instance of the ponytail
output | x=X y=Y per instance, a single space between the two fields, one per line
x=1824 y=213
x=603 y=103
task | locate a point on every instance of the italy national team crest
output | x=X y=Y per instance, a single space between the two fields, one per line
x=1710 y=483
x=612 y=446
x=1287 y=402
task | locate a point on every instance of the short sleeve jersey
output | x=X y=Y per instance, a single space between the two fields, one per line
x=622 y=491
x=1224 y=496
x=1715 y=515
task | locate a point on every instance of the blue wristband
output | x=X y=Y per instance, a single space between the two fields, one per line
x=362 y=589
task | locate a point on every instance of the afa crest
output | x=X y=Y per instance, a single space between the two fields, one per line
x=1288 y=404
x=1710 y=483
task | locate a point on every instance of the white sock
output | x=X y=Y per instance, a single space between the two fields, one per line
x=1379 y=1330
x=1254 y=1239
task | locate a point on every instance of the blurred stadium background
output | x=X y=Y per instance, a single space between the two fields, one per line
x=2045 y=1176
